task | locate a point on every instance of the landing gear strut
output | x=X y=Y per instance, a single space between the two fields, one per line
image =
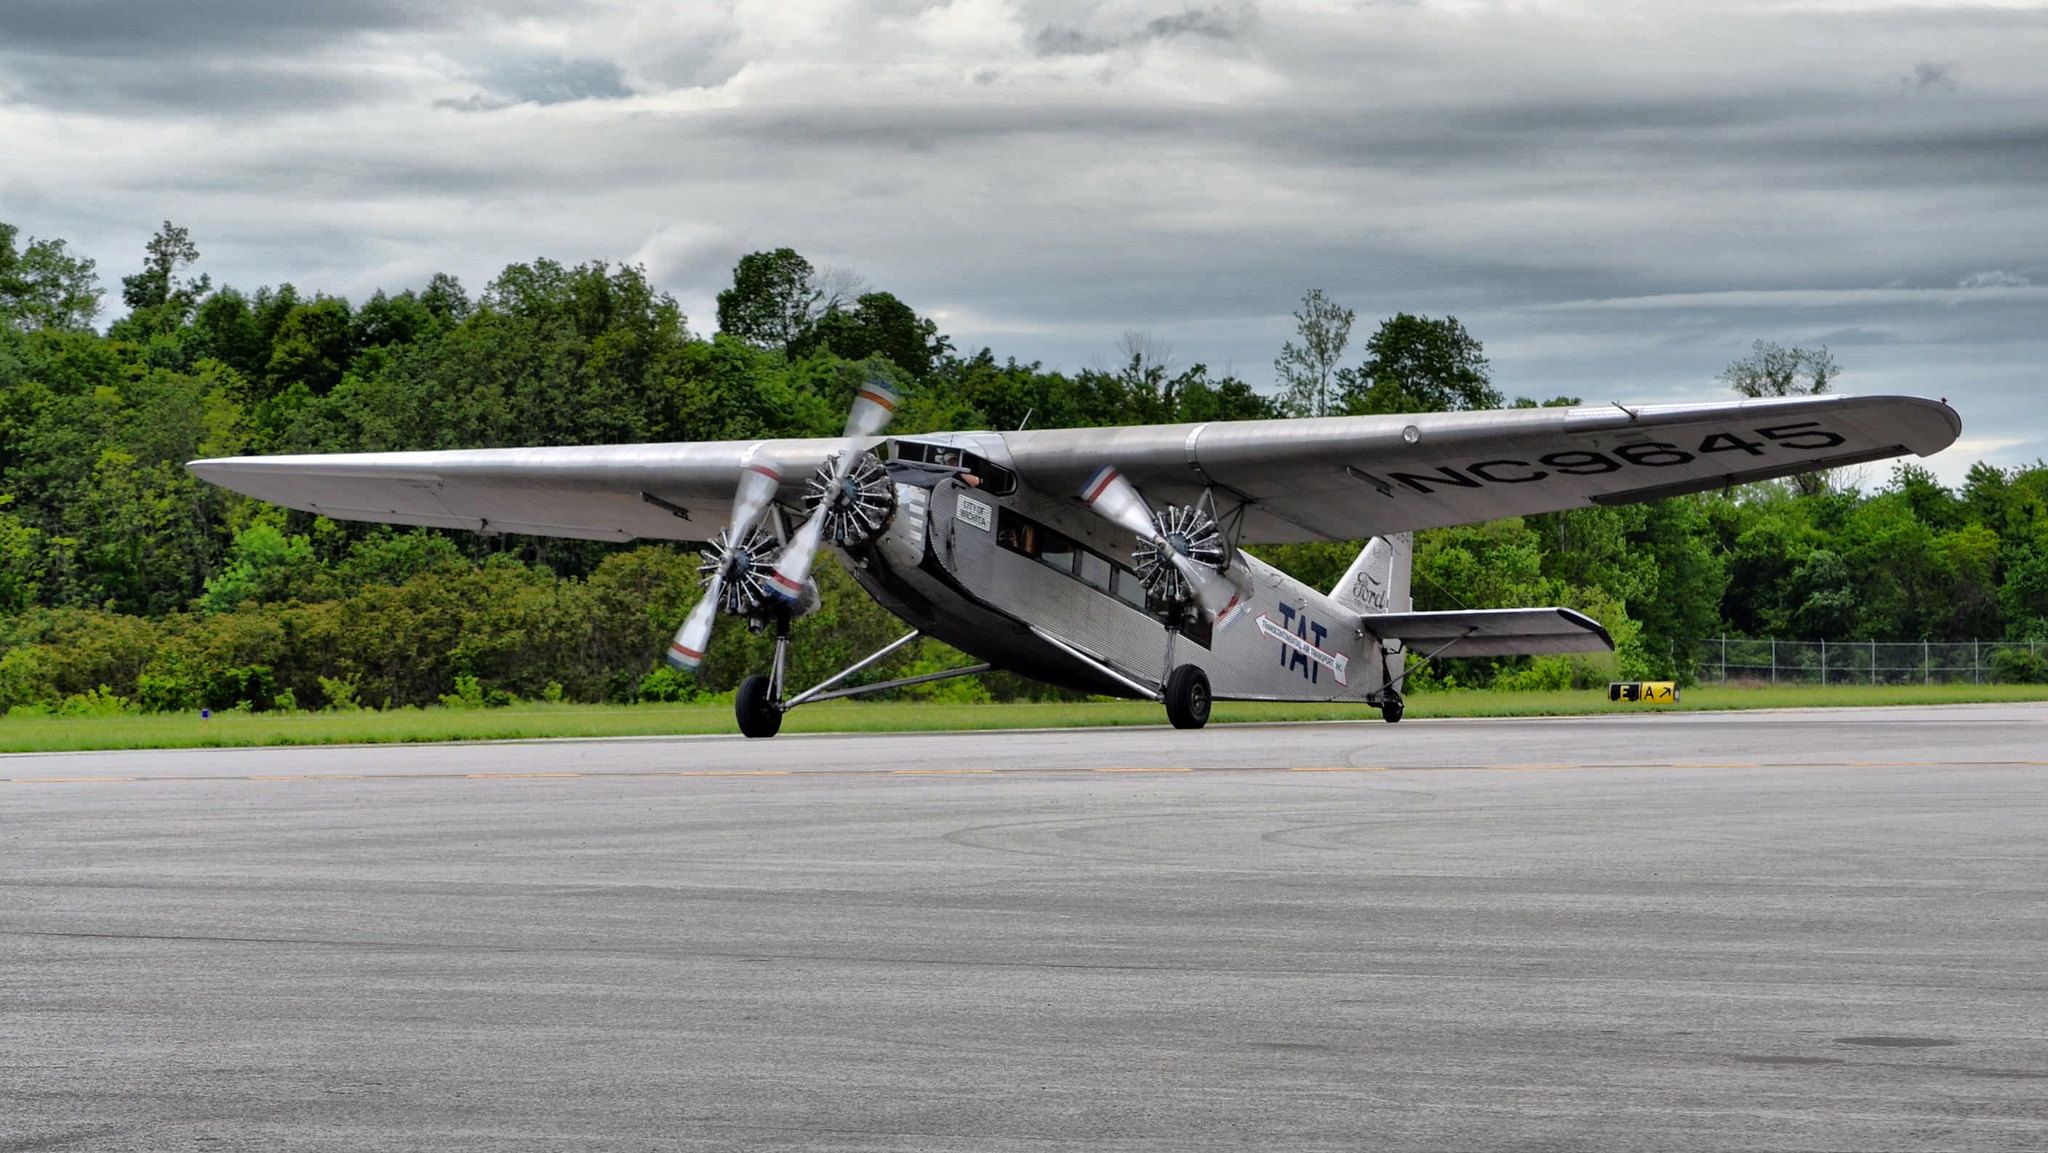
x=759 y=704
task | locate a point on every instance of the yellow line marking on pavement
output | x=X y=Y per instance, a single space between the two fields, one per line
x=1338 y=769
x=520 y=776
x=732 y=773
x=941 y=772
x=305 y=777
x=69 y=780
x=1139 y=769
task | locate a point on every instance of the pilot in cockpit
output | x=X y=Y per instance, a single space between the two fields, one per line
x=952 y=459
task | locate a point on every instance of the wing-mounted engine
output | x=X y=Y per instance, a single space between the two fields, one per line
x=758 y=570
x=853 y=504
x=1185 y=534
x=736 y=567
x=1181 y=554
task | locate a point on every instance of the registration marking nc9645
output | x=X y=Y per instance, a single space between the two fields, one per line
x=1802 y=436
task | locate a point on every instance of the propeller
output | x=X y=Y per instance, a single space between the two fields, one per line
x=1116 y=499
x=733 y=559
x=873 y=405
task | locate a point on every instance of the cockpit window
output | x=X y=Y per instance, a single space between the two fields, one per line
x=974 y=470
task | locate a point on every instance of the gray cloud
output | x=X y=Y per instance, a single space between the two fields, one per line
x=121 y=27
x=1212 y=23
x=1931 y=76
x=156 y=90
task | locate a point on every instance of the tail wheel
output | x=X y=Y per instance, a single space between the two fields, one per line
x=1187 y=697
x=1391 y=710
x=758 y=716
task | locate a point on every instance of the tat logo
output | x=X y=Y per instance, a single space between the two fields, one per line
x=1297 y=651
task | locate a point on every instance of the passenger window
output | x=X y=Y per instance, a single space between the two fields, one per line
x=1129 y=589
x=1095 y=571
x=1016 y=534
x=1056 y=551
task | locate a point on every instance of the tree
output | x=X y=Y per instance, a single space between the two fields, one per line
x=312 y=346
x=1420 y=364
x=158 y=296
x=773 y=301
x=878 y=324
x=1307 y=366
x=1771 y=369
x=44 y=286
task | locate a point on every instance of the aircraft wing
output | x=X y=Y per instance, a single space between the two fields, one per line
x=606 y=492
x=1348 y=478
x=1492 y=632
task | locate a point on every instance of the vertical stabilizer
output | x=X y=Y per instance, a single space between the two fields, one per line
x=1377 y=582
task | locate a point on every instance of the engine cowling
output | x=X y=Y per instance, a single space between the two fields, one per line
x=857 y=506
x=1190 y=531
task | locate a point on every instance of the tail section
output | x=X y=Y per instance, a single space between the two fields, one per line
x=1377 y=582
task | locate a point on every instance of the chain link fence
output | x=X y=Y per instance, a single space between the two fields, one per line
x=1767 y=661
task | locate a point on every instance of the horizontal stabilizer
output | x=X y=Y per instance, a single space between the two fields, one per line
x=1492 y=632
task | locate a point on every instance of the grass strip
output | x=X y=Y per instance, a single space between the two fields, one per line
x=23 y=734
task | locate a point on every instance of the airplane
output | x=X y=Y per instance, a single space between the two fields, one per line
x=1110 y=560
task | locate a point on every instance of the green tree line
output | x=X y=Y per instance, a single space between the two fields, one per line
x=127 y=583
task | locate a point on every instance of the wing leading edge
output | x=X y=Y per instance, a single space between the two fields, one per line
x=608 y=492
x=1349 y=478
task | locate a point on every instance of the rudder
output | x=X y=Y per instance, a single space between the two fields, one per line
x=1377 y=581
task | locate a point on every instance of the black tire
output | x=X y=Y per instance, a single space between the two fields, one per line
x=758 y=716
x=1187 y=697
x=1391 y=710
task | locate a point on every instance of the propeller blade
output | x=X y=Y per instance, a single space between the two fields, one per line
x=1113 y=496
x=686 y=652
x=794 y=566
x=758 y=482
x=1216 y=593
x=873 y=405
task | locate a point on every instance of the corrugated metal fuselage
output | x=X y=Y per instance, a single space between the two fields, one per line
x=967 y=583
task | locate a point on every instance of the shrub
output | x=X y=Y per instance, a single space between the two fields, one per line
x=2010 y=666
x=340 y=694
x=99 y=702
x=665 y=685
x=468 y=694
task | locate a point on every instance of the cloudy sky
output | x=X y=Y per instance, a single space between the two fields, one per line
x=1617 y=199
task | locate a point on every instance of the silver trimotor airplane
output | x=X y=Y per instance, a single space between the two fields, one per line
x=1035 y=552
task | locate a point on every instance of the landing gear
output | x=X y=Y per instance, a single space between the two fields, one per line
x=1391 y=708
x=1187 y=697
x=759 y=703
x=759 y=713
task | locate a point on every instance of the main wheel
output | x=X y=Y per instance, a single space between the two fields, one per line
x=1187 y=697
x=757 y=714
x=1391 y=710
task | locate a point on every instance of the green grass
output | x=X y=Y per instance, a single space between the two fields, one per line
x=182 y=730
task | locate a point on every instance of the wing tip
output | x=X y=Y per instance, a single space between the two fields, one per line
x=1581 y=620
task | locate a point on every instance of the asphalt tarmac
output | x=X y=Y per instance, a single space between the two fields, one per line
x=1799 y=930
